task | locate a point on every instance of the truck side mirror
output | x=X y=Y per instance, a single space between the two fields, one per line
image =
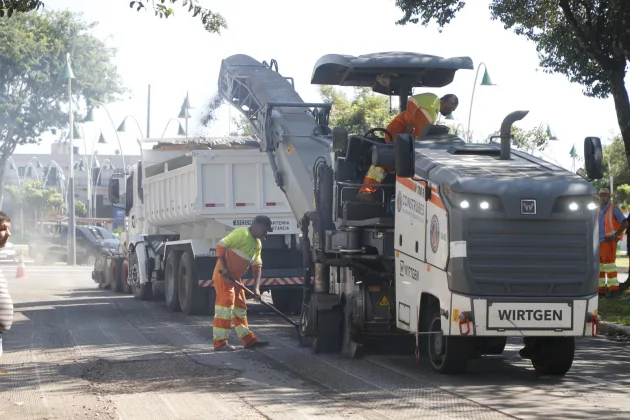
x=593 y=158
x=114 y=190
x=405 y=154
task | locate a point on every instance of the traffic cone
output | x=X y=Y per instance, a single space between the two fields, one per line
x=21 y=268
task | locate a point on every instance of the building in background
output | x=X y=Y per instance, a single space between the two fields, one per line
x=91 y=176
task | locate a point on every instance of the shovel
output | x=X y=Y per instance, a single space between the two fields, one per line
x=268 y=305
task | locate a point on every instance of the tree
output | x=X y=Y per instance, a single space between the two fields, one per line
x=80 y=208
x=615 y=164
x=243 y=127
x=33 y=99
x=534 y=139
x=586 y=40
x=37 y=200
x=359 y=114
x=212 y=22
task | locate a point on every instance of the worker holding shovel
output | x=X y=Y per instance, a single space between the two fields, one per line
x=236 y=253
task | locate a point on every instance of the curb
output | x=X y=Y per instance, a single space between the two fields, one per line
x=613 y=329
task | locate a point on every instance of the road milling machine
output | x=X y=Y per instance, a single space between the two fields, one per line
x=467 y=245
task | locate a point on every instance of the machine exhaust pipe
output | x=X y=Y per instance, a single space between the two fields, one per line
x=506 y=132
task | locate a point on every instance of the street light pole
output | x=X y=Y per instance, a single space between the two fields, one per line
x=486 y=81
x=72 y=239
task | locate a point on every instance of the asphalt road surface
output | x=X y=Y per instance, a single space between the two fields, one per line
x=78 y=352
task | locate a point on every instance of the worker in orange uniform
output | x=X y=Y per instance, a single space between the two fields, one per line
x=612 y=224
x=422 y=110
x=237 y=252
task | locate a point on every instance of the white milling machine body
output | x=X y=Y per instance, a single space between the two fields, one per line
x=467 y=244
x=181 y=203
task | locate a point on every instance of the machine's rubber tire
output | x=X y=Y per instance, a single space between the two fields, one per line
x=171 y=275
x=496 y=346
x=446 y=354
x=288 y=301
x=143 y=291
x=191 y=298
x=328 y=337
x=124 y=277
x=105 y=282
x=115 y=280
x=554 y=356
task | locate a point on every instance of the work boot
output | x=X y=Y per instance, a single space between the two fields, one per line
x=366 y=197
x=225 y=347
x=257 y=344
x=613 y=294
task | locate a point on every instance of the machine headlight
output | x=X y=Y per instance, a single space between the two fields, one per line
x=573 y=206
x=484 y=202
x=592 y=206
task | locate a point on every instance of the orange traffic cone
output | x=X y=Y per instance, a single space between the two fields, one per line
x=21 y=268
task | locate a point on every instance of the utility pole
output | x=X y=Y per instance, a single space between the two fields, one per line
x=72 y=239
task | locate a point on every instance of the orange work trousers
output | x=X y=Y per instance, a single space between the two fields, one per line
x=230 y=308
x=608 y=267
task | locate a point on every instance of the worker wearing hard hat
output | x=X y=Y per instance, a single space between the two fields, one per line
x=422 y=110
x=236 y=253
x=612 y=224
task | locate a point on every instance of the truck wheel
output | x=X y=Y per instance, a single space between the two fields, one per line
x=115 y=283
x=171 y=273
x=554 y=356
x=140 y=291
x=329 y=328
x=287 y=300
x=191 y=299
x=124 y=278
x=446 y=354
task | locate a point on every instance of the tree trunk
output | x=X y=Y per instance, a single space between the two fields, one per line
x=622 y=106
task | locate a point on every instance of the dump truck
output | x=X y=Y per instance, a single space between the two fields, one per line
x=466 y=245
x=180 y=200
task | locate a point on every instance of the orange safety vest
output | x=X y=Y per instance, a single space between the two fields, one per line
x=611 y=224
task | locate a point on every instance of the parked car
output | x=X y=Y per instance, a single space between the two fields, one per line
x=89 y=239
x=8 y=253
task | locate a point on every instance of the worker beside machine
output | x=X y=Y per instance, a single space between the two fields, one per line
x=236 y=253
x=612 y=224
x=422 y=110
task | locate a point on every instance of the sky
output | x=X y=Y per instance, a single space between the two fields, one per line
x=176 y=56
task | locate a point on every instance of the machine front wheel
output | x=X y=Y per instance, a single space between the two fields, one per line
x=554 y=355
x=446 y=354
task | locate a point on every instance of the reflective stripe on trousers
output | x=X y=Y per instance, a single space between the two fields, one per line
x=608 y=267
x=230 y=308
x=375 y=175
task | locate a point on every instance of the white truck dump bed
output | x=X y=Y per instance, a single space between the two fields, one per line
x=226 y=186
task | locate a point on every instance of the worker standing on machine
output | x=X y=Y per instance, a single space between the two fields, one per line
x=612 y=224
x=236 y=253
x=422 y=110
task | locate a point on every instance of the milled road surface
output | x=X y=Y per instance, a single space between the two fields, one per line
x=78 y=352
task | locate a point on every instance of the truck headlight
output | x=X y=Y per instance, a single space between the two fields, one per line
x=464 y=204
x=466 y=201
x=592 y=206
x=484 y=205
x=573 y=206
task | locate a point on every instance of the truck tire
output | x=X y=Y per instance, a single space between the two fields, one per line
x=191 y=298
x=446 y=354
x=171 y=274
x=115 y=281
x=287 y=300
x=554 y=355
x=125 y=277
x=141 y=291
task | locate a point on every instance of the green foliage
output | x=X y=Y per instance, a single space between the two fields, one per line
x=615 y=154
x=37 y=199
x=80 y=209
x=530 y=140
x=33 y=99
x=242 y=127
x=588 y=41
x=360 y=113
x=212 y=22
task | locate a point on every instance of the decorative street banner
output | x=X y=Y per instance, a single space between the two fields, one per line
x=119 y=220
